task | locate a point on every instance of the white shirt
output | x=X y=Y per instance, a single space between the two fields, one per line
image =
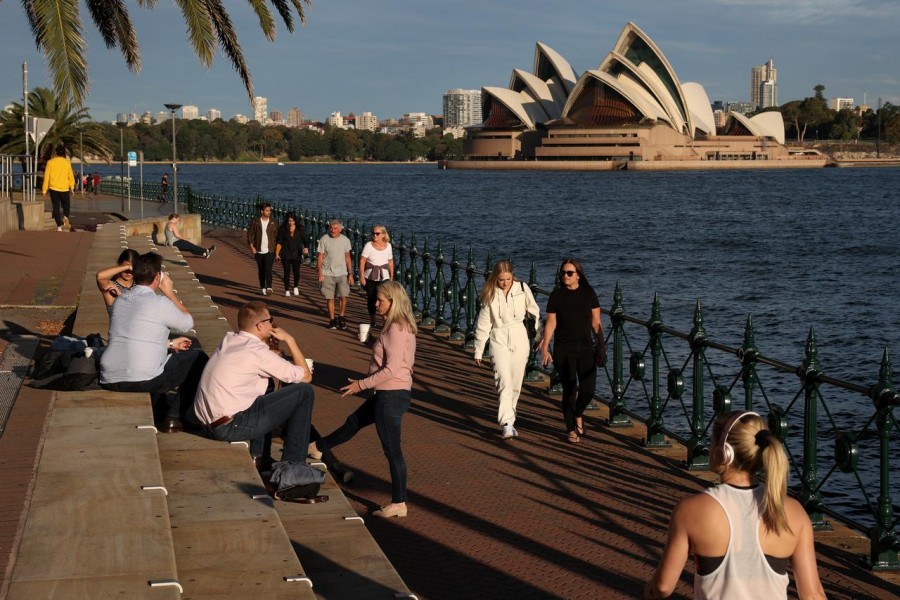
x=264 y=239
x=139 y=335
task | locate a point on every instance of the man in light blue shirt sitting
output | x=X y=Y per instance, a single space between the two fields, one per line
x=138 y=359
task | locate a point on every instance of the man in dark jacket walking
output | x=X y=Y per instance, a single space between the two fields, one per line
x=261 y=236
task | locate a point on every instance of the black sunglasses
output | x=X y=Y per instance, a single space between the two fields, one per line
x=269 y=320
x=569 y=273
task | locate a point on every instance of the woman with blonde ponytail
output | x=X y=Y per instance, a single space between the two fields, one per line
x=742 y=533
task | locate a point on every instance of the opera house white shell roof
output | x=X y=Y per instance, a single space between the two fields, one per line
x=634 y=83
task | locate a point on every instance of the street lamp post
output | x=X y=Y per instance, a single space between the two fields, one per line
x=122 y=125
x=172 y=108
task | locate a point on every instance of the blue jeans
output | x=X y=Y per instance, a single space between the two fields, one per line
x=291 y=406
x=385 y=408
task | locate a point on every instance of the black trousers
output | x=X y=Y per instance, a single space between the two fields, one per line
x=577 y=369
x=264 y=263
x=61 y=203
x=291 y=265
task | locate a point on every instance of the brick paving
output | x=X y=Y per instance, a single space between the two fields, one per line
x=532 y=518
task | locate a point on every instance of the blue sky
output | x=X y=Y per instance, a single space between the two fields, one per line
x=396 y=56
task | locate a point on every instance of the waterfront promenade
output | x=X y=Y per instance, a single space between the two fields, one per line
x=531 y=518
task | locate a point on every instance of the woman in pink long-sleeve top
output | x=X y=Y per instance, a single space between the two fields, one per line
x=390 y=375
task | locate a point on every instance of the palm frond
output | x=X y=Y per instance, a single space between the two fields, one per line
x=199 y=28
x=36 y=31
x=228 y=41
x=301 y=12
x=285 y=11
x=266 y=22
x=62 y=42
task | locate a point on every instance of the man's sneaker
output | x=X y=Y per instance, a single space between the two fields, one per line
x=341 y=323
x=296 y=292
x=508 y=431
x=333 y=324
x=264 y=291
x=270 y=291
x=210 y=251
x=515 y=432
x=287 y=293
x=59 y=228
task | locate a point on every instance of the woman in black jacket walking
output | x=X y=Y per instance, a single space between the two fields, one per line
x=290 y=246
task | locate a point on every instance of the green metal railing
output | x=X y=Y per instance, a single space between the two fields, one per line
x=677 y=382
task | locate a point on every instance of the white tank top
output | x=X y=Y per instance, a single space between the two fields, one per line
x=744 y=573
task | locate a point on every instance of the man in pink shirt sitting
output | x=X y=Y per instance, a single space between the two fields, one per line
x=231 y=401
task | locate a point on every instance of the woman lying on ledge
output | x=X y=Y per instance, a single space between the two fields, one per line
x=174 y=238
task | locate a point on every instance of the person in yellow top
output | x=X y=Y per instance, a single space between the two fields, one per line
x=60 y=180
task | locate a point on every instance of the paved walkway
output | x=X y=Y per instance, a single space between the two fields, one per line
x=532 y=518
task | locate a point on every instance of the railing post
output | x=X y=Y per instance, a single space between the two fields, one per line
x=617 y=417
x=427 y=291
x=656 y=438
x=401 y=272
x=471 y=301
x=697 y=452
x=532 y=374
x=440 y=293
x=413 y=278
x=456 y=332
x=809 y=373
x=884 y=542
x=747 y=355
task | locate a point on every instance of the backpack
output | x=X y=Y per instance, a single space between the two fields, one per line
x=295 y=480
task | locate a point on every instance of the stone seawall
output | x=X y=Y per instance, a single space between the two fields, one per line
x=649 y=165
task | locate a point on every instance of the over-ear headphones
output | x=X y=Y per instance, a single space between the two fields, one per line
x=726 y=448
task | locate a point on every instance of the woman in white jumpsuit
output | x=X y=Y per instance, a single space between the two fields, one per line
x=504 y=302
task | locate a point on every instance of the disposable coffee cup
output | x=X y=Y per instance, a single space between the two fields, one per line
x=309 y=364
x=363 y=332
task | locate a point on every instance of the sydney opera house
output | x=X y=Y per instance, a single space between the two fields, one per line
x=630 y=112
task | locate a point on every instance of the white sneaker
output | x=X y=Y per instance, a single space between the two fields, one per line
x=508 y=431
x=264 y=291
x=287 y=293
x=515 y=432
x=270 y=290
x=59 y=228
x=296 y=292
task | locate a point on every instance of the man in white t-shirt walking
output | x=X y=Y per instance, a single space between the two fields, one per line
x=261 y=238
x=335 y=271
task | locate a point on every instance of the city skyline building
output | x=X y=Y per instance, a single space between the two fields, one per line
x=242 y=119
x=190 y=112
x=840 y=103
x=367 y=121
x=462 y=108
x=275 y=117
x=294 y=117
x=212 y=114
x=764 y=85
x=335 y=119
x=260 y=109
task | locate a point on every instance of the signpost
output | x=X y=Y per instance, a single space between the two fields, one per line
x=132 y=162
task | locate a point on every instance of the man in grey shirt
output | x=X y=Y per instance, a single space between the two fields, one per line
x=137 y=358
x=335 y=271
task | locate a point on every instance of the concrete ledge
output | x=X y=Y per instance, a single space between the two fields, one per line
x=29 y=215
x=191 y=228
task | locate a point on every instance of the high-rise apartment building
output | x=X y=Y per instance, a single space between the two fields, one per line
x=764 y=85
x=840 y=103
x=190 y=112
x=367 y=121
x=162 y=116
x=213 y=114
x=275 y=117
x=295 y=117
x=260 y=109
x=335 y=119
x=239 y=118
x=462 y=108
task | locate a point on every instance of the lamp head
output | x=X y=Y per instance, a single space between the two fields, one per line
x=173 y=107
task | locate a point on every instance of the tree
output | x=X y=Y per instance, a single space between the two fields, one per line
x=71 y=127
x=820 y=92
x=59 y=34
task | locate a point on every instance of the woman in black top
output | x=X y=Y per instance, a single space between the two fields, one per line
x=573 y=315
x=290 y=245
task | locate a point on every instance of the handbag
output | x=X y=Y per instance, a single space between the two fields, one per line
x=530 y=321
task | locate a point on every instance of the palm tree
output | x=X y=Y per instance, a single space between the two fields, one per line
x=58 y=32
x=72 y=127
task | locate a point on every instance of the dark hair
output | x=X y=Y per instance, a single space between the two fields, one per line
x=288 y=217
x=60 y=150
x=128 y=255
x=582 y=278
x=146 y=267
x=264 y=206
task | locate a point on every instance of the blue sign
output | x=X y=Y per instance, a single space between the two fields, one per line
x=132 y=159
